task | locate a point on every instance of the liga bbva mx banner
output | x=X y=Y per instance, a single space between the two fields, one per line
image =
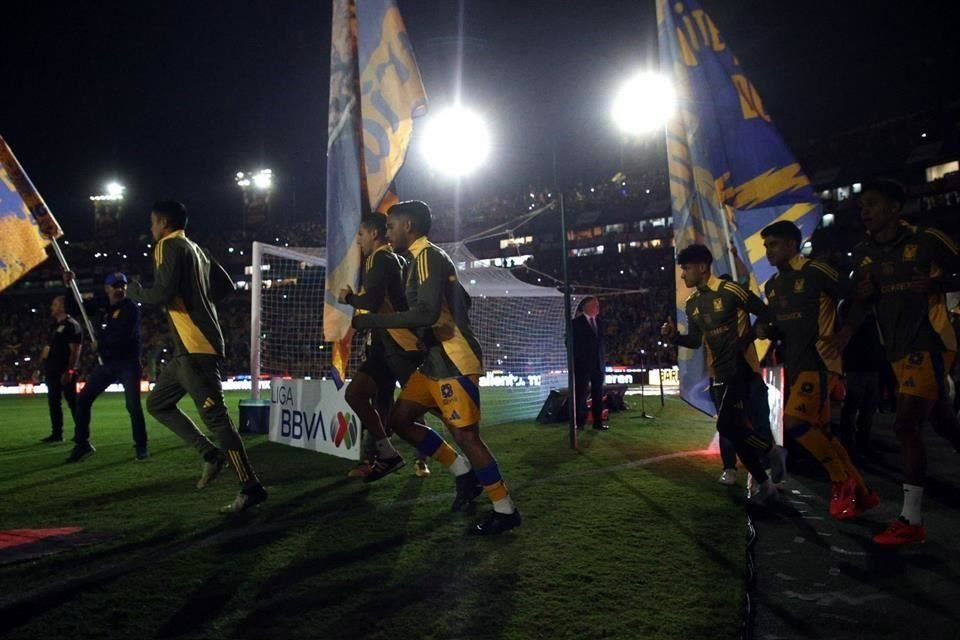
x=730 y=172
x=375 y=93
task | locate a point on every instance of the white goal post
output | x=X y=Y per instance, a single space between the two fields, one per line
x=519 y=325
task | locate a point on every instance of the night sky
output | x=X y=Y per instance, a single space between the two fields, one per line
x=172 y=98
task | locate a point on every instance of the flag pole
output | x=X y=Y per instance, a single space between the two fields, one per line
x=44 y=218
x=729 y=241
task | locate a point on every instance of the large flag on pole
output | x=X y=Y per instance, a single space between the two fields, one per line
x=26 y=225
x=375 y=92
x=730 y=172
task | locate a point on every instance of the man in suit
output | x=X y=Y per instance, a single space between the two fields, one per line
x=589 y=362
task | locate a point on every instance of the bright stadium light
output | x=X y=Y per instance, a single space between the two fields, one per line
x=456 y=141
x=261 y=180
x=644 y=103
x=113 y=192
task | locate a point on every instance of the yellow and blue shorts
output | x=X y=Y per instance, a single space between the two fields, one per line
x=808 y=398
x=456 y=399
x=923 y=374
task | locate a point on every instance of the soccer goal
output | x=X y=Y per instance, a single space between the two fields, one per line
x=519 y=326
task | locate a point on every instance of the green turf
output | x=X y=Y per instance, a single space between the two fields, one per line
x=610 y=547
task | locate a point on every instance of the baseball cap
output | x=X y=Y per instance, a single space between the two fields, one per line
x=113 y=279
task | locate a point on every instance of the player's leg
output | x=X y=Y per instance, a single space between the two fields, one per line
x=911 y=412
x=54 y=403
x=732 y=423
x=162 y=405
x=921 y=384
x=97 y=382
x=70 y=395
x=200 y=376
x=461 y=414
x=728 y=449
x=402 y=366
x=855 y=384
x=361 y=394
x=130 y=373
x=405 y=421
x=867 y=412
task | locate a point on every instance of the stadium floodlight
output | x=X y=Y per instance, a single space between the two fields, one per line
x=261 y=179
x=456 y=141
x=113 y=192
x=643 y=103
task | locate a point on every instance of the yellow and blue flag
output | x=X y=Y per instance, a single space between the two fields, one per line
x=26 y=225
x=731 y=174
x=375 y=93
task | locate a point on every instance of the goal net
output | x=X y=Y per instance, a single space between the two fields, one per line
x=519 y=326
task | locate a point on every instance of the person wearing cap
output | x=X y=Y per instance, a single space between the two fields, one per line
x=118 y=345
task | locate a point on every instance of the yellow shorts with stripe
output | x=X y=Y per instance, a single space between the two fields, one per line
x=456 y=399
x=808 y=398
x=924 y=374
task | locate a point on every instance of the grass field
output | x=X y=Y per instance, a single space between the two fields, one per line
x=613 y=544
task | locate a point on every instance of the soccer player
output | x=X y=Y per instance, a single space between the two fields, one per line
x=188 y=283
x=448 y=379
x=119 y=349
x=803 y=298
x=390 y=354
x=60 y=359
x=718 y=313
x=903 y=272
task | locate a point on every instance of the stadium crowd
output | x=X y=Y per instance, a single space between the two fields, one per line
x=619 y=231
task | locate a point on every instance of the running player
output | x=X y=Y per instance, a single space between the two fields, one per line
x=448 y=379
x=391 y=355
x=187 y=282
x=903 y=272
x=718 y=313
x=803 y=298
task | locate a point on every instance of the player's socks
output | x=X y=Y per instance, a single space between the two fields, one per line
x=241 y=465
x=819 y=445
x=434 y=446
x=496 y=490
x=844 y=457
x=912 y=498
x=385 y=448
